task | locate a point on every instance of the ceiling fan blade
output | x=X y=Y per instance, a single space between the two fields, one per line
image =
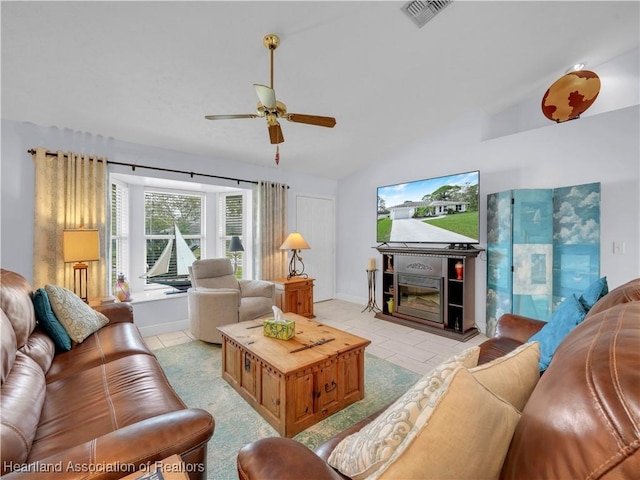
x=229 y=117
x=275 y=134
x=329 y=122
x=266 y=95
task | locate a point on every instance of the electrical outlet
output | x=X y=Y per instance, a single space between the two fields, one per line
x=618 y=248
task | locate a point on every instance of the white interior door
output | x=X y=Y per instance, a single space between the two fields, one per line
x=315 y=222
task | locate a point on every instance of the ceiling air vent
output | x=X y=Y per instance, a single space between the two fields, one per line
x=421 y=12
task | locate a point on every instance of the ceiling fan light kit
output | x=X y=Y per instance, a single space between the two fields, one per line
x=271 y=109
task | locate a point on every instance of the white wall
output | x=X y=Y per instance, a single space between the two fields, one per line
x=17 y=178
x=512 y=149
x=17 y=195
x=618 y=90
x=602 y=148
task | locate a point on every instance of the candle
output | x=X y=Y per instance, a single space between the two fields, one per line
x=371 y=264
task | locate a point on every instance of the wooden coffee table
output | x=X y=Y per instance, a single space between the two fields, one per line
x=294 y=383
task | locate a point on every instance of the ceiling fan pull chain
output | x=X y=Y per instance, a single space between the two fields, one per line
x=277 y=154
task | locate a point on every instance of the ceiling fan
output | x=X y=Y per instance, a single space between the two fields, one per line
x=272 y=109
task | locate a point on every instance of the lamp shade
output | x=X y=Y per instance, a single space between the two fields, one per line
x=80 y=245
x=294 y=242
x=236 y=245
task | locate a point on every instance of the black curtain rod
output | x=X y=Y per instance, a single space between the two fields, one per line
x=134 y=166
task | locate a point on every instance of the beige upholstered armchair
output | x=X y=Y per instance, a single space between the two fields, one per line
x=217 y=298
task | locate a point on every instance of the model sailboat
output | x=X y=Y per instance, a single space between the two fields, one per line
x=178 y=253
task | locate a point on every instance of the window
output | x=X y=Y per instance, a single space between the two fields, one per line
x=173 y=233
x=232 y=224
x=145 y=212
x=119 y=230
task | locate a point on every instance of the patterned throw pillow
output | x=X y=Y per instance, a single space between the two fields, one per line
x=512 y=376
x=464 y=432
x=48 y=321
x=362 y=453
x=77 y=318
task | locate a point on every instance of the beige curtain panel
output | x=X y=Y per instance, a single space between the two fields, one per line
x=270 y=227
x=70 y=193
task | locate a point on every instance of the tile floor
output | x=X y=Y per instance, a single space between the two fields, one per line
x=413 y=349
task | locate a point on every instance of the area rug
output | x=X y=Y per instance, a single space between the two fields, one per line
x=194 y=371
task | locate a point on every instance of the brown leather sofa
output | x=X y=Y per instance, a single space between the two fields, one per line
x=102 y=410
x=582 y=420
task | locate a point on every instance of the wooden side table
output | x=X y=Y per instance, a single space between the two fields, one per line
x=295 y=295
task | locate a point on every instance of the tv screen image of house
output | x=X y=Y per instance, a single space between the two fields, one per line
x=433 y=210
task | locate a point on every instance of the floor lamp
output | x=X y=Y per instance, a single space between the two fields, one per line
x=80 y=246
x=234 y=247
x=295 y=243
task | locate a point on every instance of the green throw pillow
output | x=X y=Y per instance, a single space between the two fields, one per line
x=48 y=321
x=77 y=318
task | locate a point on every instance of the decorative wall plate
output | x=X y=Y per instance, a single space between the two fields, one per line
x=570 y=95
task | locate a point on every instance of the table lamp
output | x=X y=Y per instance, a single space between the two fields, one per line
x=295 y=243
x=234 y=247
x=80 y=246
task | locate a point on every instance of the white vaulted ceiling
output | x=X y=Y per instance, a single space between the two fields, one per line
x=148 y=72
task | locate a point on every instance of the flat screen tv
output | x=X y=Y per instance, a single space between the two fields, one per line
x=434 y=210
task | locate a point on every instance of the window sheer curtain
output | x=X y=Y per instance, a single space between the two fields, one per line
x=70 y=193
x=270 y=227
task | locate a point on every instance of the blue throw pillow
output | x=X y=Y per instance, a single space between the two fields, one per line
x=49 y=322
x=568 y=314
x=593 y=293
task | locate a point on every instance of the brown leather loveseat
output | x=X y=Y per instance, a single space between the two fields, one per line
x=102 y=410
x=582 y=420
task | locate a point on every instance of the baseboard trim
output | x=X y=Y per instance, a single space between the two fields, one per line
x=159 y=328
x=352 y=298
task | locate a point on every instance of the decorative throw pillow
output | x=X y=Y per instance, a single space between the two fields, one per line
x=512 y=376
x=362 y=453
x=48 y=321
x=464 y=432
x=568 y=314
x=593 y=293
x=77 y=318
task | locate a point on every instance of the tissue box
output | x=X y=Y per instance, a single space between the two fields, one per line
x=282 y=330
